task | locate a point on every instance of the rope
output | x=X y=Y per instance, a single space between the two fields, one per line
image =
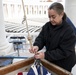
x=25 y=20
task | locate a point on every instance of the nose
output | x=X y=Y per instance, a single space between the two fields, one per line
x=51 y=19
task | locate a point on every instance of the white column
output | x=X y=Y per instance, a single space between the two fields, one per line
x=5 y=47
x=70 y=9
x=9 y=11
x=16 y=16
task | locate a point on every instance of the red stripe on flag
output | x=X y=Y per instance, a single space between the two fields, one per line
x=20 y=73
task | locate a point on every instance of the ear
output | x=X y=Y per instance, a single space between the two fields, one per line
x=62 y=14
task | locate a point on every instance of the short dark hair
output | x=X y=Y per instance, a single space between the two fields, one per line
x=59 y=8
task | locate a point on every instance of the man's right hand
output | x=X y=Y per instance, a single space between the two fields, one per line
x=34 y=49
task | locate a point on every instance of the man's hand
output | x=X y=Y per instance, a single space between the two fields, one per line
x=39 y=55
x=34 y=49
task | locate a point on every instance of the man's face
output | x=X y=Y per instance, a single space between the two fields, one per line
x=54 y=17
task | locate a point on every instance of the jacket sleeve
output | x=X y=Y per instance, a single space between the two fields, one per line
x=65 y=49
x=39 y=41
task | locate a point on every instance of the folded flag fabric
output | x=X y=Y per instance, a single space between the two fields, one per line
x=38 y=69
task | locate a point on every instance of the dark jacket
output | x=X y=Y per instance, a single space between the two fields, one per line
x=60 y=44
